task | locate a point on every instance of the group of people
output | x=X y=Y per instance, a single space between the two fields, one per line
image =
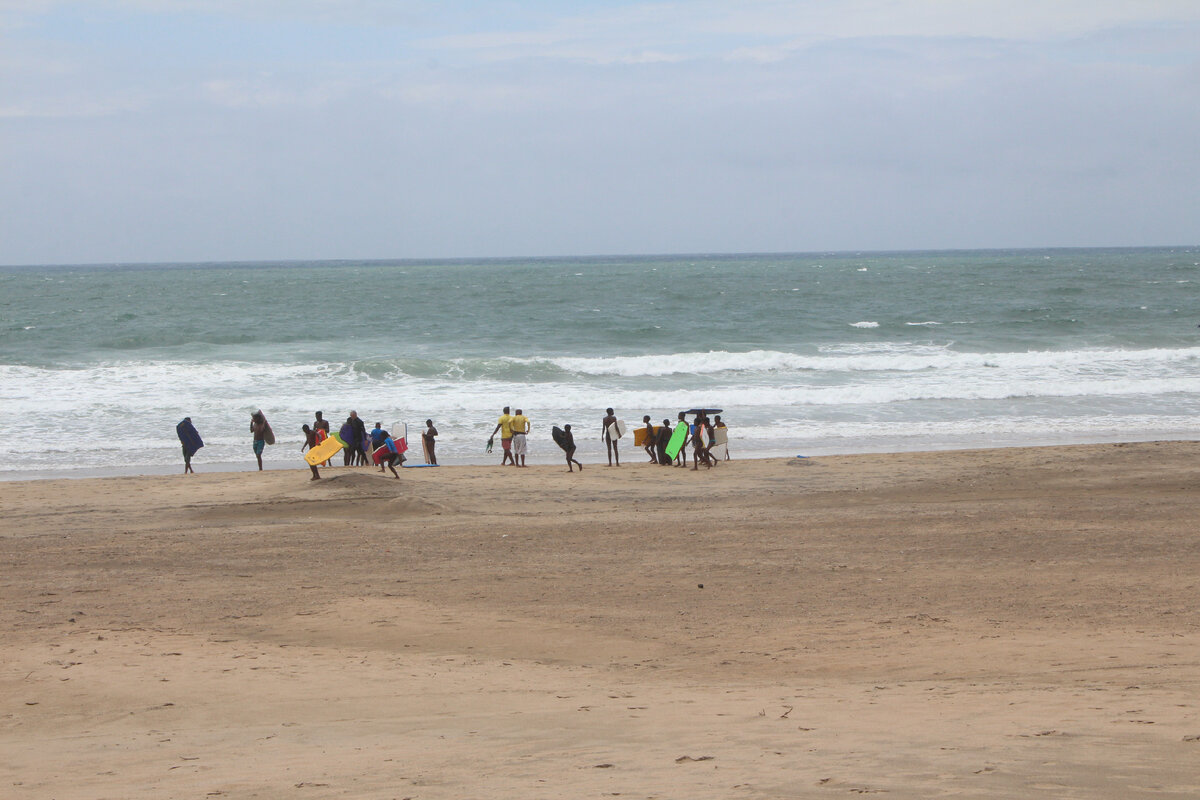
x=362 y=447
x=514 y=428
x=701 y=437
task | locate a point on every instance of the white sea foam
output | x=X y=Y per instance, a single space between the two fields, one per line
x=864 y=324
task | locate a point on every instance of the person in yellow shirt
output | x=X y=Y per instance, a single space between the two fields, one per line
x=520 y=427
x=504 y=426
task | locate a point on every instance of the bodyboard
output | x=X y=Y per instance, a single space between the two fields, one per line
x=720 y=443
x=400 y=436
x=268 y=434
x=323 y=452
x=560 y=436
x=189 y=437
x=616 y=430
x=678 y=438
x=640 y=438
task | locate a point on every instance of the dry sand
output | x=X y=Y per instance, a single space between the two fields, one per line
x=1003 y=624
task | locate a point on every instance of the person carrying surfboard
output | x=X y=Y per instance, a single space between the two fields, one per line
x=429 y=442
x=310 y=441
x=648 y=443
x=191 y=441
x=681 y=456
x=391 y=456
x=610 y=441
x=568 y=445
x=259 y=429
x=701 y=436
x=664 y=438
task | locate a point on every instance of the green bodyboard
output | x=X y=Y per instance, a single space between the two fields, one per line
x=678 y=438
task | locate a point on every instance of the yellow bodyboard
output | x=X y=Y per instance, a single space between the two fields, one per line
x=323 y=452
x=639 y=435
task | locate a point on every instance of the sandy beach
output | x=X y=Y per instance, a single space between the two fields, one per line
x=1006 y=623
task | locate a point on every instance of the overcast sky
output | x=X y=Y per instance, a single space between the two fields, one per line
x=184 y=130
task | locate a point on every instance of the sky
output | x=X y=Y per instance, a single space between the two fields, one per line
x=215 y=130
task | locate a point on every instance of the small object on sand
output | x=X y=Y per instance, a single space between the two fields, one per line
x=699 y=585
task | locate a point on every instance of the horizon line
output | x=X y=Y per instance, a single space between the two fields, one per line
x=594 y=256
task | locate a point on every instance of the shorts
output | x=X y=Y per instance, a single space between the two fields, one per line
x=518 y=444
x=506 y=444
x=259 y=444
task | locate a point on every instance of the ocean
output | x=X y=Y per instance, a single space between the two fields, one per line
x=807 y=354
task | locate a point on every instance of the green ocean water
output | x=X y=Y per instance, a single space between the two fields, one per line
x=807 y=353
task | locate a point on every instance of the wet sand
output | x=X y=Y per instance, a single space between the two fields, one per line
x=1006 y=623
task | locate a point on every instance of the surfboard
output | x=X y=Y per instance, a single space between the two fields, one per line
x=560 y=437
x=720 y=443
x=189 y=437
x=323 y=452
x=639 y=435
x=268 y=434
x=616 y=430
x=678 y=438
x=400 y=436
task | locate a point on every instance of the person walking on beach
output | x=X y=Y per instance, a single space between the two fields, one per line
x=258 y=429
x=701 y=436
x=504 y=426
x=429 y=440
x=191 y=441
x=664 y=438
x=320 y=435
x=717 y=423
x=681 y=456
x=568 y=444
x=391 y=457
x=310 y=441
x=648 y=443
x=610 y=442
x=520 y=427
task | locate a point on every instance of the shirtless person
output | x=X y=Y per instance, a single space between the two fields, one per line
x=429 y=439
x=681 y=456
x=609 y=442
x=648 y=444
x=569 y=446
x=258 y=429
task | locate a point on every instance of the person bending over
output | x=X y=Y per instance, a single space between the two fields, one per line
x=569 y=447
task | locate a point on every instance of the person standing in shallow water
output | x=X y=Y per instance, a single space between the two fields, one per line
x=609 y=441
